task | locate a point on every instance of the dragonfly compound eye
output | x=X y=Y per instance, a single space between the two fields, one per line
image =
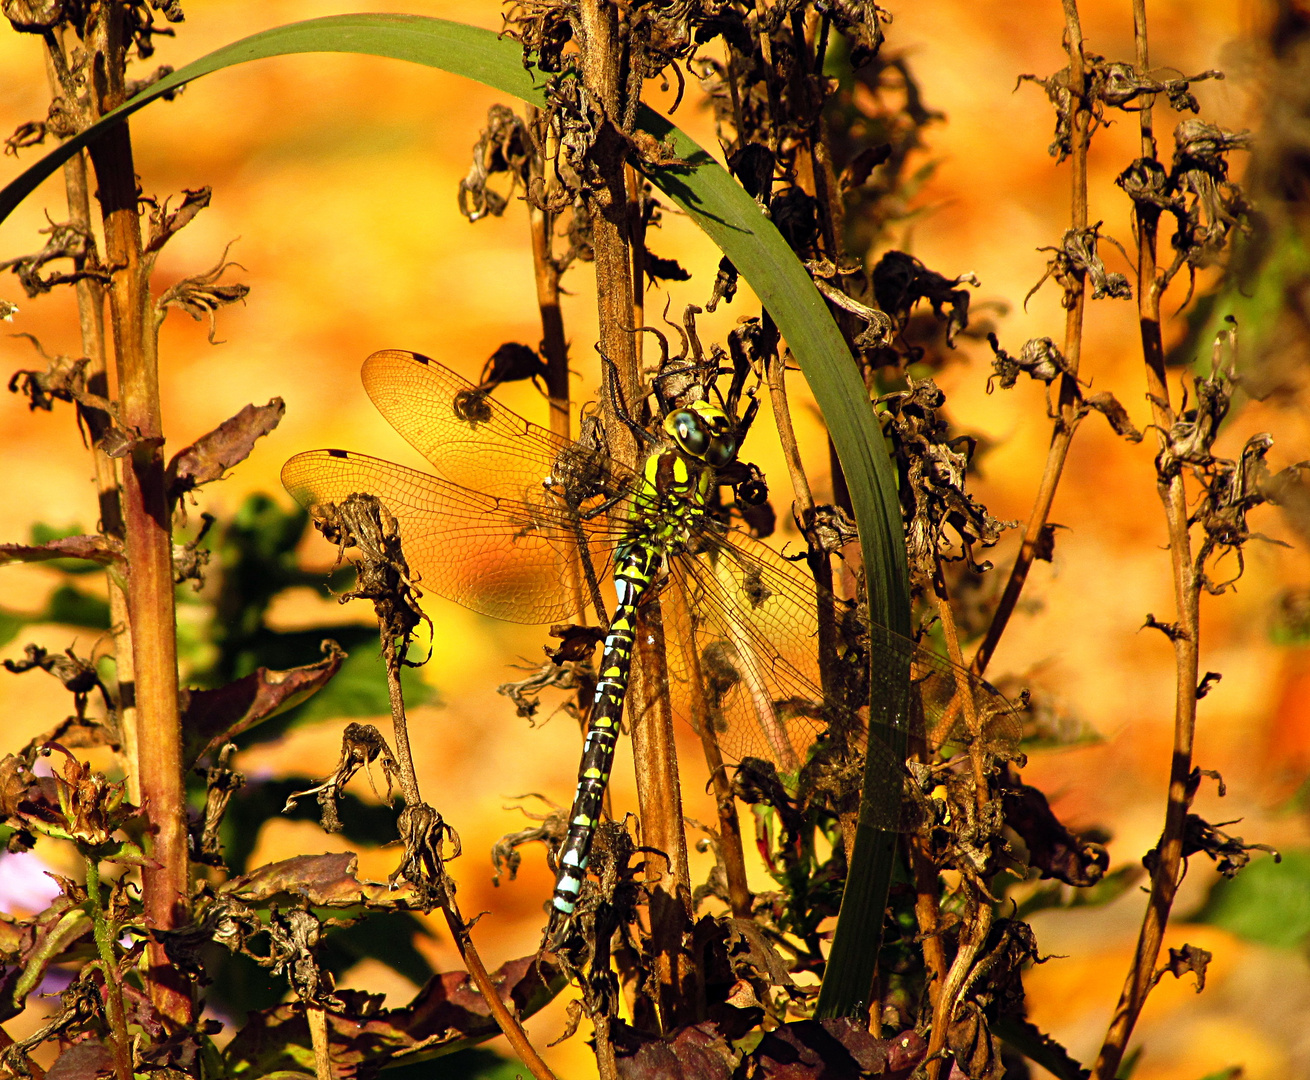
x=721 y=452
x=689 y=431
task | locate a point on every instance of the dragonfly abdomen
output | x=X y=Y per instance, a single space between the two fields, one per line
x=636 y=568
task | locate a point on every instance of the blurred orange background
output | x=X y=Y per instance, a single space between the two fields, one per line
x=334 y=179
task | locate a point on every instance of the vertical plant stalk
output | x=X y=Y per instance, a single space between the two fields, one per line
x=1067 y=416
x=120 y=1041
x=399 y=721
x=1186 y=642
x=541 y=225
x=949 y=984
x=91 y=321
x=731 y=851
x=659 y=797
x=316 y=1018
x=165 y=884
x=459 y=931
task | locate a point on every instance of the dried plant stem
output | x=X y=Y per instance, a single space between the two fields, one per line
x=634 y=180
x=91 y=320
x=32 y=1068
x=610 y=212
x=316 y=1018
x=659 y=797
x=1186 y=641
x=541 y=224
x=927 y=910
x=731 y=850
x=120 y=1041
x=148 y=526
x=399 y=722
x=1067 y=417
x=509 y=1023
x=978 y=924
x=946 y=987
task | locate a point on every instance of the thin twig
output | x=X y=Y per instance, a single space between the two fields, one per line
x=659 y=794
x=1186 y=642
x=1067 y=416
x=91 y=320
x=731 y=850
x=541 y=225
x=927 y=911
x=399 y=721
x=508 y=1022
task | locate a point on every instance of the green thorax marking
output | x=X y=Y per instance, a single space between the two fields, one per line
x=676 y=481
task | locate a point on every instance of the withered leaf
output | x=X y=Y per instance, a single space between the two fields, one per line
x=164 y=224
x=862 y=164
x=212 y=717
x=1052 y=848
x=812 y=1049
x=1108 y=406
x=325 y=880
x=33 y=16
x=977 y=1051
x=201 y=296
x=447 y=1014
x=210 y=456
x=699 y=1052
x=1190 y=958
x=1229 y=853
x=34 y=945
x=85 y=1060
x=1044 y=549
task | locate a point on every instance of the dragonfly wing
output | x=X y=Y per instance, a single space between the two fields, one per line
x=499 y=556
x=756 y=640
x=756 y=635
x=470 y=438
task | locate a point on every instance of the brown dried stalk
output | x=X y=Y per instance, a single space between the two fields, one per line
x=1067 y=414
x=1186 y=643
x=147 y=521
x=541 y=222
x=383 y=577
x=659 y=798
x=91 y=320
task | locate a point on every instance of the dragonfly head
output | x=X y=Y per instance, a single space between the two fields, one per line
x=704 y=432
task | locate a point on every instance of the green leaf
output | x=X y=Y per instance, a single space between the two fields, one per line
x=1268 y=902
x=72 y=607
x=732 y=219
x=359 y=688
x=11 y=623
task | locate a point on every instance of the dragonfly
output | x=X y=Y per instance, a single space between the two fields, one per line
x=524 y=525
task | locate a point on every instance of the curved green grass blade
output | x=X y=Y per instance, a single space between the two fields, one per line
x=732 y=219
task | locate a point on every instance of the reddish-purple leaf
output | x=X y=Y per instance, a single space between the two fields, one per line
x=211 y=455
x=94 y=548
x=211 y=717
